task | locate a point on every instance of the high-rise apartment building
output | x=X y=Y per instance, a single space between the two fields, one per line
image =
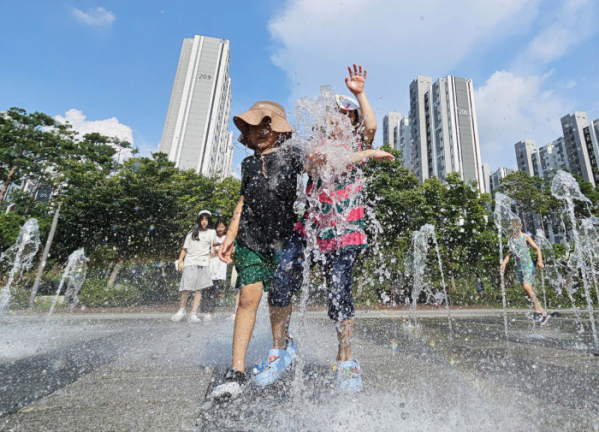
x=552 y=157
x=404 y=141
x=390 y=123
x=524 y=156
x=581 y=153
x=444 y=129
x=487 y=177
x=591 y=140
x=496 y=176
x=195 y=134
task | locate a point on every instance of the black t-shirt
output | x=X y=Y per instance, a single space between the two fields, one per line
x=268 y=216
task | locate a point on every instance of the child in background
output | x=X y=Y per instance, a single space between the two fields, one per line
x=519 y=243
x=219 y=268
x=194 y=262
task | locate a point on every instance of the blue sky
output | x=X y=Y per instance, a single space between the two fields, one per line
x=532 y=61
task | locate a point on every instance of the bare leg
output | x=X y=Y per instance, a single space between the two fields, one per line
x=530 y=293
x=345 y=331
x=183 y=302
x=197 y=297
x=245 y=319
x=237 y=300
x=279 y=321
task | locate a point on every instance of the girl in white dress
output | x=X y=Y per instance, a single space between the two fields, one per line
x=194 y=262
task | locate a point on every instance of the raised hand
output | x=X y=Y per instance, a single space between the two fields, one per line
x=357 y=79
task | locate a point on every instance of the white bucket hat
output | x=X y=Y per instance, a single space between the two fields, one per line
x=205 y=212
x=347 y=103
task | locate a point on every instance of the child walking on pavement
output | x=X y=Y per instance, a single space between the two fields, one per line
x=262 y=222
x=194 y=262
x=518 y=243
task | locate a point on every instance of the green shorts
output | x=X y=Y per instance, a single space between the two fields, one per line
x=253 y=267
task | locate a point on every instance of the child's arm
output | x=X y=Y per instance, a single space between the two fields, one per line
x=317 y=160
x=226 y=250
x=378 y=155
x=537 y=250
x=181 y=256
x=355 y=84
x=505 y=261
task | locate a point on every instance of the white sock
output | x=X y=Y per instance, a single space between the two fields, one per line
x=182 y=310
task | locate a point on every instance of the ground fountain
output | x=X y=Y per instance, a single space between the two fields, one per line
x=416 y=265
x=20 y=256
x=74 y=276
x=552 y=273
x=565 y=188
x=503 y=215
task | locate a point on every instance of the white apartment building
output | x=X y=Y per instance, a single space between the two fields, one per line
x=552 y=157
x=487 y=177
x=524 y=155
x=403 y=138
x=580 y=137
x=444 y=129
x=390 y=123
x=195 y=134
x=496 y=176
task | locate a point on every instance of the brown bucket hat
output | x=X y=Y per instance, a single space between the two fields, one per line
x=254 y=116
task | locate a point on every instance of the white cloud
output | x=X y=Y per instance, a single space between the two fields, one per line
x=396 y=40
x=511 y=108
x=572 y=24
x=110 y=127
x=95 y=17
x=570 y=84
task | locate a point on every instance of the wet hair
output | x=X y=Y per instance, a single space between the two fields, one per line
x=195 y=232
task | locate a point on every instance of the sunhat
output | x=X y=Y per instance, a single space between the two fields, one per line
x=347 y=103
x=256 y=114
x=205 y=212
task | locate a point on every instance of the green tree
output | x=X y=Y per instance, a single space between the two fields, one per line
x=140 y=213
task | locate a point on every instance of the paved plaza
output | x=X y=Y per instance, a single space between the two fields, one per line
x=142 y=372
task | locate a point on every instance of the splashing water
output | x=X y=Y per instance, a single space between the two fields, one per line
x=74 y=275
x=552 y=273
x=590 y=244
x=565 y=188
x=416 y=266
x=503 y=218
x=21 y=255
x=328 y=143
x=545 y=245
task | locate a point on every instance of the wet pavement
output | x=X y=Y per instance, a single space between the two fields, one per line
x=141 y=372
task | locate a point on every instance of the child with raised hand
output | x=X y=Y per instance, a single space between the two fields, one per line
x=518 y=243
x=262 y=221
x=339 y=246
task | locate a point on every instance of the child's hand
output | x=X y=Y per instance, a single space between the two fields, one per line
x=226 y=251
x=502 y=268
x=180 y=265
x=540 y=264
x=317 y=159
x=381 y=155
x=357 y=79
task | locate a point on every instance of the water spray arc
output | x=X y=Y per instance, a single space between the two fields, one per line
x=74 y=276
x=21 y=256
x=416 y=266
x=565 y=188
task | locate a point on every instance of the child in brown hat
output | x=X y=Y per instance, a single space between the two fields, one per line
x=262 y=221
